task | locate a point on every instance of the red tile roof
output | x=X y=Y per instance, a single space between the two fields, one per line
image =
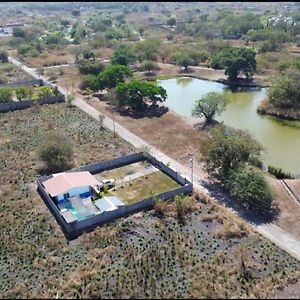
x=62 y=182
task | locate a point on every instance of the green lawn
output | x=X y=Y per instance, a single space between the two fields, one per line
x=145 y=186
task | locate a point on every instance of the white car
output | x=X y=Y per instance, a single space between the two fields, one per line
x=108 y=182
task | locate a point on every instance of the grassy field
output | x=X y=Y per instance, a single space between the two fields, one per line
x=48 y=58
x=145 y=186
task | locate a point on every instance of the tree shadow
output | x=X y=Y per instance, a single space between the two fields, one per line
x=186 y=71
x=254 y=216
x=152 y=111
x=47 y=171
x=203 y=125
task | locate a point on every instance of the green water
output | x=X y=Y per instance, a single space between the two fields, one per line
x=280 y=139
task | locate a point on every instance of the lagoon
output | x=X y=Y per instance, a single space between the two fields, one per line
x=280 y=139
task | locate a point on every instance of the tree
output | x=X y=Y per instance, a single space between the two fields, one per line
x=149 y=66
x=76 y=13
x=6 y=94
x=209 y=105
x=228 y=148
x=236 y=61
x=136 y=92
x=112 y=76
x=285 y=90
x=3 y=56
x=147 y=50
x=90 y=67
x=171 y=21
x=56 y=152
x=184 y=60
x=89 y=82
x=88 y=54
x=249 y=186
x=123 y=55
x=19 y=32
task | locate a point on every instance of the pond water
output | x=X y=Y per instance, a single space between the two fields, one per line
x=280 y=139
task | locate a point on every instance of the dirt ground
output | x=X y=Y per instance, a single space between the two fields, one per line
x=169 y=132
x=289 y=212
x=294 y=185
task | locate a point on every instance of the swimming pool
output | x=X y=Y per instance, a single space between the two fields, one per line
x=76 y=214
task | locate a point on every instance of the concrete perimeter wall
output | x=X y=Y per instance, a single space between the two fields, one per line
x=76 y=228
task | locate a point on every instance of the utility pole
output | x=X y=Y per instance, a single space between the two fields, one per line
x=192 y=167
x=114 y=127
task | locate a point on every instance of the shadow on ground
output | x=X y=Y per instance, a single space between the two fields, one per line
x=152 y=111
x=254 y=216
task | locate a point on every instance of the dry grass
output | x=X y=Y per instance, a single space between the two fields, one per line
x=49 y=58
x=170 y=133
x=144 y=187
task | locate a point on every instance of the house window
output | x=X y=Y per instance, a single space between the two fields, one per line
x=66 y=196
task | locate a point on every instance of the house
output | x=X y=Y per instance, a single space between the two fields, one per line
x=62 y=186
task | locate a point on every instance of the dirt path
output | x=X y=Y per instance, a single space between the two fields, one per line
x=271 y=231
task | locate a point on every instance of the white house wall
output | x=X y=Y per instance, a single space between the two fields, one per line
x=74 y=192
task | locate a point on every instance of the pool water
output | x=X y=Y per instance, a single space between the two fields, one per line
x=75 y=213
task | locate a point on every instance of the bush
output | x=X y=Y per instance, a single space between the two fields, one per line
x=56 y=152
x=6 y=94
x=90 y=67
x=24 y=92
x=228 y=148
x=279 y=173
x=249 y=186
x=44 y=91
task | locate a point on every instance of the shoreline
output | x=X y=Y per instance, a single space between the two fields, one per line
x=239 y=83
x=266 y=108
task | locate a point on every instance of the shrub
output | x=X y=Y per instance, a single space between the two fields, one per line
x=248 y=185
x=44 y=91
x=23 y=92
x=228 y=148
x=279 y=173
x=6 y=94
x=90 y=67
x=56 y=152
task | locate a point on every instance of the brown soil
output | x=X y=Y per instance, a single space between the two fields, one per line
x=294 y=185
x=169 y=132
x=288 y=217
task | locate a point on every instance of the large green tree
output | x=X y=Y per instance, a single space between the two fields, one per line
x=112 y=75
x=184 y=60
x=123 y=55
x=236 y=61
x=228 y=148
x=209 y=105
x=135 y=94
x=285 y=90
x=248 y=185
